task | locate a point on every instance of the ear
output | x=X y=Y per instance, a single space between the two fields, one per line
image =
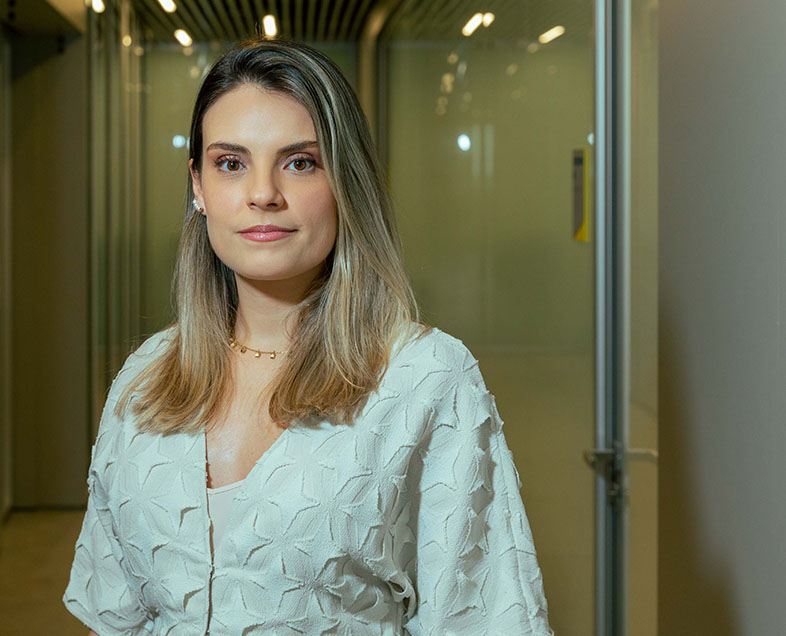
x=197 y=185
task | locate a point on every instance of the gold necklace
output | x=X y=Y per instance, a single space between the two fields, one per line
x=257 y=353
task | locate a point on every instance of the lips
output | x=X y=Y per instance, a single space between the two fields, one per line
x=266 y=233
x=266 y=228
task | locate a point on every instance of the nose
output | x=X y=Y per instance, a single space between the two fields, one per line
x=264 y=191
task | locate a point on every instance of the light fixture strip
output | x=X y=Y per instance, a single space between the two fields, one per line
x=168 y=5
x=473 y=23
x=269 y=26
x=551 y=34
x=183 y=37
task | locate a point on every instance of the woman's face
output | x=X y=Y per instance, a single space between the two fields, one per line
x=270 y=212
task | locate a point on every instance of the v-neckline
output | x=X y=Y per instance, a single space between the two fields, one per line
x=258 y=460
x=233 y=512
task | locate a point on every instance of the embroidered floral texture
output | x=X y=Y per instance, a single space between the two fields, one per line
x=409 y=521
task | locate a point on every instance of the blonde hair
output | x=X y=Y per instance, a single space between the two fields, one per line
x=354 y=311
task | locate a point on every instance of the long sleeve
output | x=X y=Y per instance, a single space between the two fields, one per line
x=473 y=562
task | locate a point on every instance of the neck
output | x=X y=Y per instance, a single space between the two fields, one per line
x=267 y=310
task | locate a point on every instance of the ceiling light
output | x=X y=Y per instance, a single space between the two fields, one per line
x=98 y=6
x=551 y=34
x=473 y=23
x=167 y=5
x=269 y=26
x=183 y=37
x=488 y=18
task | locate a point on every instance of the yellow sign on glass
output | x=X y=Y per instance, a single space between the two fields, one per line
x=581 y=195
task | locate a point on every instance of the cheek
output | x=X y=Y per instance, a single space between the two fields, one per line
x=220 y=193
x=331 y=223
x=325 y=217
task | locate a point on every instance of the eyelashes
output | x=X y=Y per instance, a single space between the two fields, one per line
x=231 y=164
x=307 y=160
x=227 y=160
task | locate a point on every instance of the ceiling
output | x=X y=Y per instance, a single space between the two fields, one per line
x=36 y=18
x=225 y=20
x=514 y=19
x=343 y=20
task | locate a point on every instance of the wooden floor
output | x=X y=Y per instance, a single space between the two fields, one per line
x=36 y=549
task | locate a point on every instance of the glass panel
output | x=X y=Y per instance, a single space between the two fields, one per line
x=642 y=467
x=116 y=91
x=172 y=76
x=482 y=132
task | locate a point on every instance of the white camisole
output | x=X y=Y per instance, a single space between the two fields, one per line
x=219 y=505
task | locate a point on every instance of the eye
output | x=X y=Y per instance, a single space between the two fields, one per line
x=233 y=164
x=301 y=164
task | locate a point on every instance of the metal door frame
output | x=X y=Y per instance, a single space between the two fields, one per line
x=612 y=312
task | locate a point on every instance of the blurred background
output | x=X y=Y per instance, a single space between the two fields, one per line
x=485 y=116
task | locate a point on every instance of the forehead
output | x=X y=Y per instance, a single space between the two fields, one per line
x=249 y=113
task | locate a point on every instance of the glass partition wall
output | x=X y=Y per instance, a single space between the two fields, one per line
x=115 y=192
x=487 y=128
x=482 y=135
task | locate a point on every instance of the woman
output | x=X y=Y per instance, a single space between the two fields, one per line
x=349 y=475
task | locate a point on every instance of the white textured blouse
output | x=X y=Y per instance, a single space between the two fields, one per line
x=408 y=521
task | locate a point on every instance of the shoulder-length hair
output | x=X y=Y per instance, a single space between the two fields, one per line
x=353 y=313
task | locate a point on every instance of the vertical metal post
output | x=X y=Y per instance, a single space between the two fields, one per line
x=612 y=307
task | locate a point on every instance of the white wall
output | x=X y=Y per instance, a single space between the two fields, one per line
x=722 y=303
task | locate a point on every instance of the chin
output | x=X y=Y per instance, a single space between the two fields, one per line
x=270 y=276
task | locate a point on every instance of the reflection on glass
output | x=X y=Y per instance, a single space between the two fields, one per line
x=473 y=23
x=480 y=138
x=551 y=34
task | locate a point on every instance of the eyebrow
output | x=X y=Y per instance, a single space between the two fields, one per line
x=230 y=147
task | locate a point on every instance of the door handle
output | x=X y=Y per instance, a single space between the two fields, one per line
x=599 y=458
x=608 y=463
